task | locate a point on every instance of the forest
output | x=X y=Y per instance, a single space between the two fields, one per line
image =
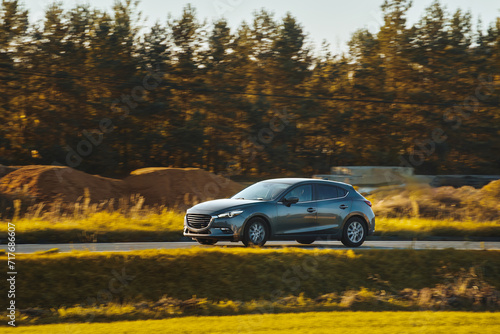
x=103 y=93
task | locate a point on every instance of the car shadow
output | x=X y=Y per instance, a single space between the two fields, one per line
x=299 y=246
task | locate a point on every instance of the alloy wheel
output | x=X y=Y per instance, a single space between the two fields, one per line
x=355 y=232
x=257 y=232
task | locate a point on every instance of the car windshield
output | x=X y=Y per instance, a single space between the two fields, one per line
x=264 y=191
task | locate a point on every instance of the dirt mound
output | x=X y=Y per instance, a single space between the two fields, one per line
x=177 y=186
x=164 y=186
x=46 y=183
x=4 y=170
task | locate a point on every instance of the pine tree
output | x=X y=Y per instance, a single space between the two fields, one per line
x=187 y=36
x=13 y=29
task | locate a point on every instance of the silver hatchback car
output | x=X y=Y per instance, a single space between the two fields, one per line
x=284 y=209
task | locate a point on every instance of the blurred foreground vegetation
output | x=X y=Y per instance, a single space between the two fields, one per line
x=300 y=323
x=85 y=286
x=237 y=273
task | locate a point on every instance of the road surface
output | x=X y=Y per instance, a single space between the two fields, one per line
x=129 y=246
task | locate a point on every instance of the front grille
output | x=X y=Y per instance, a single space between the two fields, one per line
x=198 y=221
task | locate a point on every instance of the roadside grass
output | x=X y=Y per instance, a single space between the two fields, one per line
x=103 y=226
x=424 y=227
x=310 y=322
x=166 y=225
x=57 y=280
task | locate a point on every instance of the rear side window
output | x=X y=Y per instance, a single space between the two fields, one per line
x=324 y=191
x=342 y=192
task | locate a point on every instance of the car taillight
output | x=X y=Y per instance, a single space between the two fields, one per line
x=368 y=203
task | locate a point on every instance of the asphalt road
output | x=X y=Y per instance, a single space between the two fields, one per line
x=129 y=246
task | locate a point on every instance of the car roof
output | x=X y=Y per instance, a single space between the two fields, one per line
x=293 y=180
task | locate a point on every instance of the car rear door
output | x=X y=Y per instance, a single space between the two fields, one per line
x=332 y=205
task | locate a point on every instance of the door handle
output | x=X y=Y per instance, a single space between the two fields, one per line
x=311 y=210
x=343 y=206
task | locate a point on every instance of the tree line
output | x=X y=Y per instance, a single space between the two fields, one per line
x=97 y=91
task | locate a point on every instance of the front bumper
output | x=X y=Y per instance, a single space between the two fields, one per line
x=218 y=228
x=214 y=234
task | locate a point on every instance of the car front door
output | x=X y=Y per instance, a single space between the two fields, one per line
x=299 y=217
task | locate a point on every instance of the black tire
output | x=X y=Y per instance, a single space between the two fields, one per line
x=354 y=233
x=306 y=241
x=256 y=232
x=207 y=241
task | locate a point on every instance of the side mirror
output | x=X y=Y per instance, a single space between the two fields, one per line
x=290 y=201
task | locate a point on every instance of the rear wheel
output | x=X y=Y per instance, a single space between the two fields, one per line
x=306 y=241
x=256 y=232
x=354 y=233
x=207 y=241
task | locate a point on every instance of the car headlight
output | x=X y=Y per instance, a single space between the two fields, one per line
x=230 y=214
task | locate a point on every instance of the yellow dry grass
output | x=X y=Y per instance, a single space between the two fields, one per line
x=165 y=225
x=303 y=323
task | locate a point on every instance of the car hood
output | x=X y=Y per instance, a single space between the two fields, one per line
x=214 y=206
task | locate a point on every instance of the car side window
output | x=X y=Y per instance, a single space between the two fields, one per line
x=304 y=193
x=324 y=191
x=342 y=192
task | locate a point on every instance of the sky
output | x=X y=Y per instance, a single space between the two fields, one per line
x=330 y=20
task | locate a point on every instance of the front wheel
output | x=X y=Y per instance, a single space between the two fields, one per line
x=207 y=241
x=256 y=232
x=354 y=233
